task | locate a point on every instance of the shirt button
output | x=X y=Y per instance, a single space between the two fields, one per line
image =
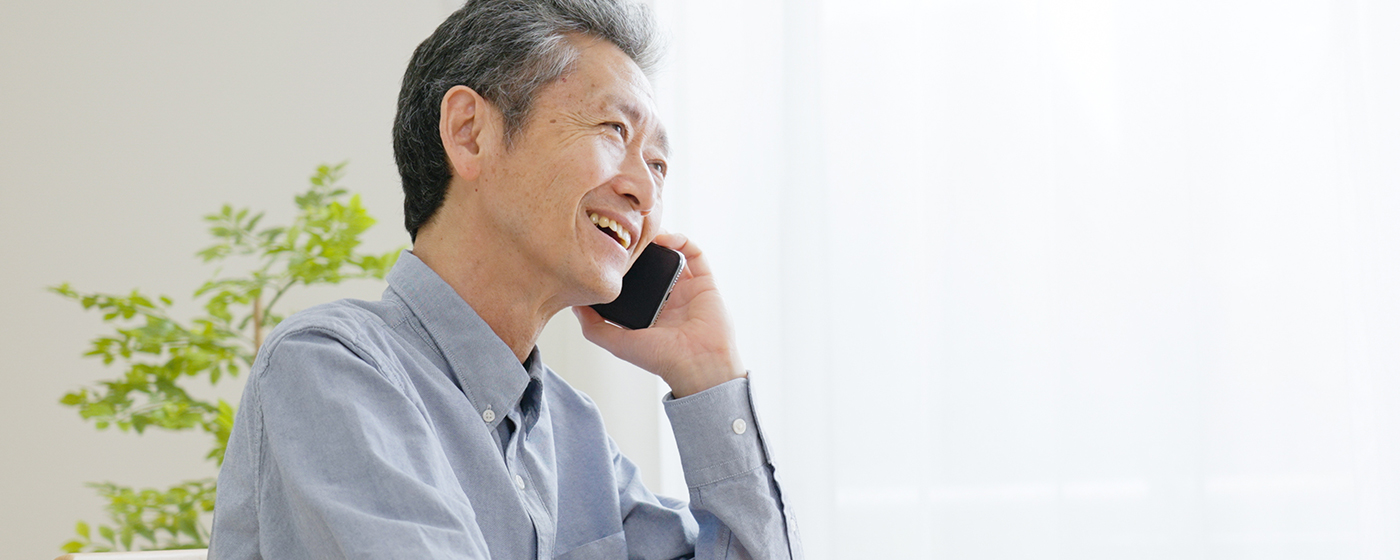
x=489 y=415
x=519 y=482
x=740 y=426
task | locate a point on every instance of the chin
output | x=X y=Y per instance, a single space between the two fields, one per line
x=602 y=288
x=610 y=292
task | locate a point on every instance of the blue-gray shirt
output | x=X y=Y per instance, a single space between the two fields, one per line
x=405 y=428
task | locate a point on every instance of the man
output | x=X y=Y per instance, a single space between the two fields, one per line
x=425 y=425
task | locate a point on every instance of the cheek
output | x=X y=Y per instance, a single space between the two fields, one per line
x=653 y=222
x=590 y=163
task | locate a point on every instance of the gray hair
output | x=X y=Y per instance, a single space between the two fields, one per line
x=505 y=50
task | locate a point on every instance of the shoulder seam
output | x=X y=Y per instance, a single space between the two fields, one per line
x=348 y=341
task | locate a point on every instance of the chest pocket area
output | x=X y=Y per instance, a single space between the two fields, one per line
x=610 y=547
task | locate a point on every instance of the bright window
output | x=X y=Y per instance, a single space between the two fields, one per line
x=1079 y=279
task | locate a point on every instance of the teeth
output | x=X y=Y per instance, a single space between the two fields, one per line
x=622 y=235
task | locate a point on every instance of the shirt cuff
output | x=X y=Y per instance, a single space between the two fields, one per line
x=716 y=433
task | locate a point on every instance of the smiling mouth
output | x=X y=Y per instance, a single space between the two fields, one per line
x=615 y=231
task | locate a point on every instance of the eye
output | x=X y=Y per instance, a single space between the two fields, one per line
x=659 y=166
x=619 y=128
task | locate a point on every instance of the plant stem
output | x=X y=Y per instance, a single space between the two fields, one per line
x=257 y=323
x=281 y=291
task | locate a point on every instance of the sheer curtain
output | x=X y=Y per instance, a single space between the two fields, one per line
x=1072 y=279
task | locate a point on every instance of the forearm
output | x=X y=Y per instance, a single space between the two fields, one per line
x=734 y=494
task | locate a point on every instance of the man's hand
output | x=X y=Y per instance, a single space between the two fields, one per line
x=691 y=346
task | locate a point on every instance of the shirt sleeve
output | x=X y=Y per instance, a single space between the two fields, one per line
x=344 y=461
x=734 y=493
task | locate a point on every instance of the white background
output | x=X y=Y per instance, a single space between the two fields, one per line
x=1060 y=279
x=1017 y=279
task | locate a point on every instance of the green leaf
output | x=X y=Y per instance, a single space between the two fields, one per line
x=145 y=532
x=100 y=409
x=83 y=531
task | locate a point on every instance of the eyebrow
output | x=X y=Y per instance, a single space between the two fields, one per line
x=635 y=115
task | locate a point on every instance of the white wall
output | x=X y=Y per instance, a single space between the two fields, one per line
x=121 y=124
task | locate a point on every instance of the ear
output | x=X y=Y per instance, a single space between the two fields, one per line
x=462 y=123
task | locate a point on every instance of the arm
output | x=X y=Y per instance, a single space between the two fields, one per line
x=331 y=458
x=734 y=494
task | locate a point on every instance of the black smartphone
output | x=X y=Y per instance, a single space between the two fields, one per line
x=645 y=288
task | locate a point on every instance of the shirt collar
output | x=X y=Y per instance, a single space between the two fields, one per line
x=480 y=363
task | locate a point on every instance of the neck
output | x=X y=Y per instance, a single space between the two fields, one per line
x=507 y=295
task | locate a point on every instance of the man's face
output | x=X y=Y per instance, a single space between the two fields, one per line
x=592 y=146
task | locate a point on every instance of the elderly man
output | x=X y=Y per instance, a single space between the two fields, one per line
x=425 y=425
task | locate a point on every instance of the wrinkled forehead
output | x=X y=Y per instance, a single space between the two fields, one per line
x=601 y=58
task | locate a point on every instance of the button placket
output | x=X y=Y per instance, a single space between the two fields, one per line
x=513 y=449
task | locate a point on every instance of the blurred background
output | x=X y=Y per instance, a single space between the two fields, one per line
x=1017 y=279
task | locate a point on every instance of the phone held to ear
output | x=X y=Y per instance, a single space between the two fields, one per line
x=645 y=288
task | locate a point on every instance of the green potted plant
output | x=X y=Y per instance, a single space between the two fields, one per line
x=157 y=355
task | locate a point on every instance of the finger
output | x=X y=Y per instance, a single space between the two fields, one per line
x=669 y=240
x=596 y=329
x=694 y=257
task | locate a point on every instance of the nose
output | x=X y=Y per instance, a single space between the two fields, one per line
x=638 y=185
